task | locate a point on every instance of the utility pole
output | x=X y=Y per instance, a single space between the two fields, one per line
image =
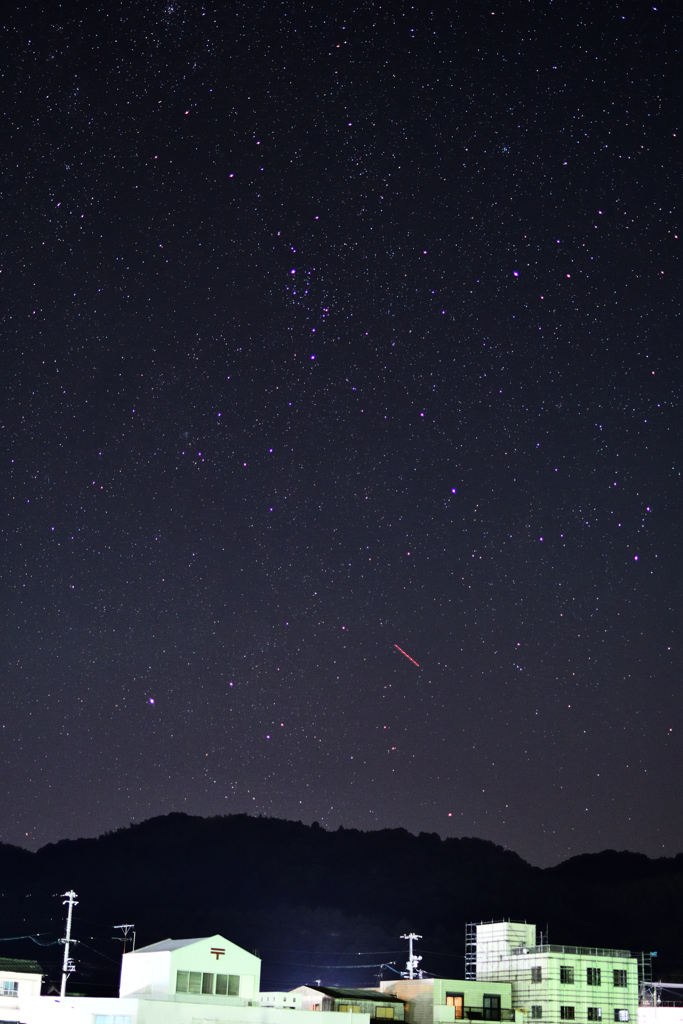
x=412 y=966
x=126 y=929
x=68 y=966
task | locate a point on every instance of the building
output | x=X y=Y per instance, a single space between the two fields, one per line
x=177 y=981
x=442 y=1000
x=379 y=1005
x=510 y=978
x=555 y=983
x=661 y=1003
x=18 y=979
x=280 y=1000
x=207 y=970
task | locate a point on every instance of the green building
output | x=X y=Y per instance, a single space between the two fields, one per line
x=443 y=1000
x=553 y=983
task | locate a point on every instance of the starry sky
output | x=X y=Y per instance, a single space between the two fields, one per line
x=329 y=330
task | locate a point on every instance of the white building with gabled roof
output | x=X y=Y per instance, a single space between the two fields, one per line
x=192 y=970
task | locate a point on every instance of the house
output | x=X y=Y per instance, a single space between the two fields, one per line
x=442 y=1000
x=18 y=979
x=555 y=983
x=379 y=1005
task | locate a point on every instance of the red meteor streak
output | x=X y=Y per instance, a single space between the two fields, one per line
x=407 y=655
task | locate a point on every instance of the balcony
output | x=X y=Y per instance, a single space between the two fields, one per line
x=446 y=1014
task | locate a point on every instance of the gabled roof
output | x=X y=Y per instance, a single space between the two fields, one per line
x=369 y=994
x=170 y=944
x=21 y=966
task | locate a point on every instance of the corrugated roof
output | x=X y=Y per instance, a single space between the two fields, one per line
x=370 y=995
x=21 y=966
x=170 y=944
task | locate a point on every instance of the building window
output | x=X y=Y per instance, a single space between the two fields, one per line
x=207 y=984
x=233 y=984
x=621 y=1015
x=537 y=974
x=566 y=975
x=221 y=984
x=384 y=1011
x=491 y=1007
x=457 y=1000
x=620 y=979
x=594 y=1013
x=348 y=1008
x=592 y=975
x=181 y=981
x=9 y=988
x=537 y=1013
x=566 y=1013
x=112 y=1018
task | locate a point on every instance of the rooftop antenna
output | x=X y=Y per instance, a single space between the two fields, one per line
x=126 y=929
x=68 y=966
x=412 y=966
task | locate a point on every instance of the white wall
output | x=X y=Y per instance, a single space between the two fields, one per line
x=146 y=974
x=497 y=939
x=82 y=1010
x=660 y=1015
x=29 y=985
x=74 y=1010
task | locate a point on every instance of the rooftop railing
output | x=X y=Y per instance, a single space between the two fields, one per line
x=623 y=954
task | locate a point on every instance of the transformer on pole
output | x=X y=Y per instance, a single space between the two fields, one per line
x=412 y=966
x=68 y=966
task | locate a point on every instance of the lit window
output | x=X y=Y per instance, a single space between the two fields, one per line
x=594 y=1013
x=566 y=1013
x=621 y=1015
x=348 y=1008
x=457 y=1000
x=566 y=975
x=9 y=988
x=537 y=974
x=537 y=1013
x=592 y=975
x=384 y=1011
x=620 y=979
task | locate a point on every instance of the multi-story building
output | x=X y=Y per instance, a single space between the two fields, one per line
x=446 y=1000
x=555 y=983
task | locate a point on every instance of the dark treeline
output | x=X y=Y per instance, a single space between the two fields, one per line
x=309 y=901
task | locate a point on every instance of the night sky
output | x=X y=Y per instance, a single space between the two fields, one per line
x=330 y=329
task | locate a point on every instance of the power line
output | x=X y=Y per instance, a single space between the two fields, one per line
x=327 y=952
x=329 y=967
